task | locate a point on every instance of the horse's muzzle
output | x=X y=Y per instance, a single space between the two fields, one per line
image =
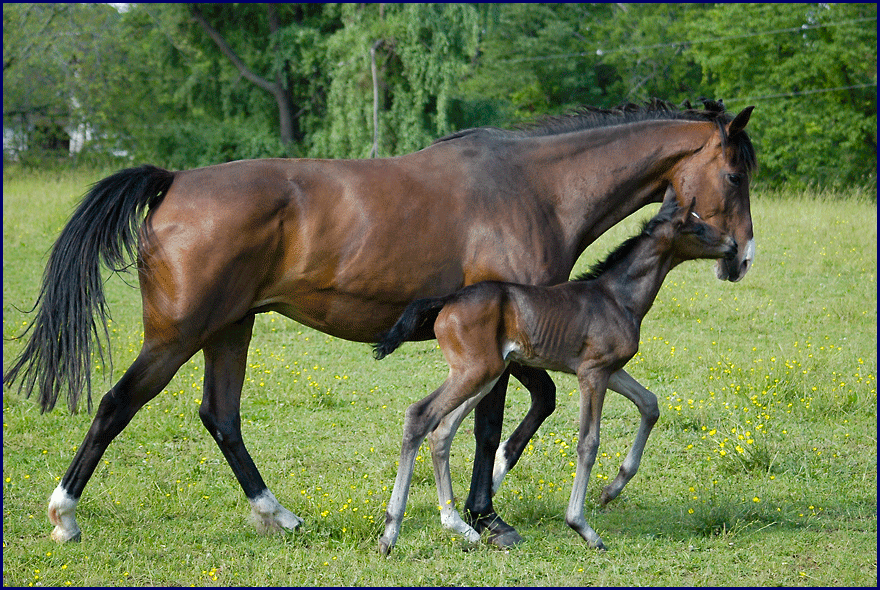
x=732 y=267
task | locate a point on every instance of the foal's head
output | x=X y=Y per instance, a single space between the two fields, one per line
x=686 y=235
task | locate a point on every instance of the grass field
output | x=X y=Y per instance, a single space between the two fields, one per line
x=762 y=470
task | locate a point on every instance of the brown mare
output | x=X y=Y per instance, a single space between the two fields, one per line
x=589 y=327
x=343 y=246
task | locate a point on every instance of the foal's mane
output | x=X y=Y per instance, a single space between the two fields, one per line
x=627 y=247
x=587 y=117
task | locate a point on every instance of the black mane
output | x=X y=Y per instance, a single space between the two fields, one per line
x=588 y=117
x=622 y=251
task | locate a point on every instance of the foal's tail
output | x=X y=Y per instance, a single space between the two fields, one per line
x=103 y=229
x=415 y=316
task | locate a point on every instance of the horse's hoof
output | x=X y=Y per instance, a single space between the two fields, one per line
x=501 y=534
x=60 y=536
x=384 y=547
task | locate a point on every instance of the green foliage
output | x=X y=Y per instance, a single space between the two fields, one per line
x=421 y=52
x=152 y=83
x=512 y=67
x=641 y=48
x=826 y=137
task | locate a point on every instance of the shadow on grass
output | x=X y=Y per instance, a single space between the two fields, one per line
x=674 y=522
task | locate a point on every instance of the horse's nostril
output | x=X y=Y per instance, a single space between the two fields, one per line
x=732 y=250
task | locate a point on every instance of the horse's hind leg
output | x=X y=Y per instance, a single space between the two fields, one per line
x=220 y=412
x=147 y=376
x=623 y=383
x=543 y=393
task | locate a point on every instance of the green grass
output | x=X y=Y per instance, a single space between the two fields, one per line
x=761 y=471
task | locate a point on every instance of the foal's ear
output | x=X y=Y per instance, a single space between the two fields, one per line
x=670 y=203
x=685 y=213
x=740 y=121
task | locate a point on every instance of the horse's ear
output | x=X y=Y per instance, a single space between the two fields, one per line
x=739 y=122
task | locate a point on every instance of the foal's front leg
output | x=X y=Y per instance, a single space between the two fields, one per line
x=593 y=384
x=623 y=383
x=543 y=393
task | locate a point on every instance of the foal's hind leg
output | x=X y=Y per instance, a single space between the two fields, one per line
x=147 y=376
x=623 y=383
x=420 y=419
x=220 y=412
x=441 y=441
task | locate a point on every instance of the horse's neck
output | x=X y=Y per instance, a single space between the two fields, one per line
x=635 y=280
x=598 y=177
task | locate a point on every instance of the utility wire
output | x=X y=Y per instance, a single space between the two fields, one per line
x=802 y=93
x=601 y=52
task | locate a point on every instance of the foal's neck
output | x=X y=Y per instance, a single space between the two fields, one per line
x=636 y=279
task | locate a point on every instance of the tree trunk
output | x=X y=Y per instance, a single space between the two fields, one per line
x=286 y=119
x=374 y=151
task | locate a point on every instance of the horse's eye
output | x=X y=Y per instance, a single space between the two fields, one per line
x=734 y=179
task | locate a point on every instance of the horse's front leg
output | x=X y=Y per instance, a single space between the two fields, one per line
x=593 y=384
x=623 y=383
x=479 y=511
x=543 y=393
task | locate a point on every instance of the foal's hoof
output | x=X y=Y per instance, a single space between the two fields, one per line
x=501 y=534
x=384 y=547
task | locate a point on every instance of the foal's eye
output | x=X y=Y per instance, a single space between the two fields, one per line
x=734 y=179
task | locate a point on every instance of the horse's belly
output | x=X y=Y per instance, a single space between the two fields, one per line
x=337 y=314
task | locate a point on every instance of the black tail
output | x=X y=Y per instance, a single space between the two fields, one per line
x=417 y=314
x=103 y=229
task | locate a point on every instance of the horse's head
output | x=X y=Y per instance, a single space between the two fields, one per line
x=717 y=176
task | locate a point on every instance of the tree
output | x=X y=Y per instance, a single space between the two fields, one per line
x=812 y=70
x=420 y=52
x=272 y=43
x=54 y=57
x=539 y=58
x=189 y=85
